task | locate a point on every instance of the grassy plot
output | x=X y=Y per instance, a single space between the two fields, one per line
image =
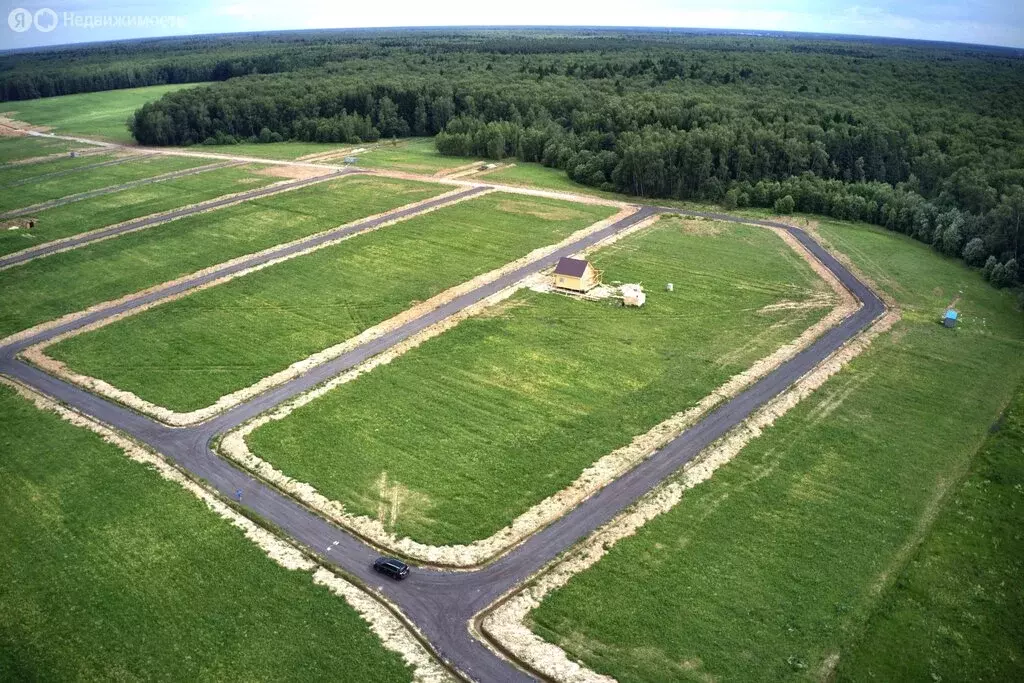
x=187 y=353
x=39 y=291
x=91 y=214
x=770 y=570
x=275 y=150
x=95 y=114
x=955 y=613
x=475 y=426
x=26 y=173
x=415 y=155
x=28 y=147
x=93 y=179
x=111 y=572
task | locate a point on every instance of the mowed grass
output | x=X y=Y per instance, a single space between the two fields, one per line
x=29 y=147
x=110 y=572
x=276 y=150
x=415 y=155
x=91 y=214
x=26 y=173
x=67 y=282
x=955 y=612
x=771 y=569
x=473 y=427
x=46 y=189
x=95 y=114
x=187 y=353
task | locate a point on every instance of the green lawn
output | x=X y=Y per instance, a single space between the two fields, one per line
x=95 y=114
x=954 y=614
x=187 y=353
x=28 y=147
x=26 y=173
x=475 y=426
x=47 y=189
x=275 y=150
x=110 y=572
x=415 y=155
x=39 y=290
x=776 y=564
x=91 y=214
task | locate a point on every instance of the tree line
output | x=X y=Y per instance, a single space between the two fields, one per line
x=927 y=141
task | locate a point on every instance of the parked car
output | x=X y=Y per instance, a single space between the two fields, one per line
x=389 y=566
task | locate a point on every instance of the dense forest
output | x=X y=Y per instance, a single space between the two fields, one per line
x=924 y=139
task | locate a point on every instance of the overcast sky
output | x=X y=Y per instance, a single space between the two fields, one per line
x=55 y=22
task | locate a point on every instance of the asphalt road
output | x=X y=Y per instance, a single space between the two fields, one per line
x=53 y=203
x=150 y=221
x=441 y=603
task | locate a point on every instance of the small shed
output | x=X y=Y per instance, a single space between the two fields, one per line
x=577 y=275
x=351 y=160
x=950 y=318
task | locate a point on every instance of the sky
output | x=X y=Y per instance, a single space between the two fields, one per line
x=32 y=23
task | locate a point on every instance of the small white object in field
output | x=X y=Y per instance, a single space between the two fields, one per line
x=633 y=295
x=668 y=287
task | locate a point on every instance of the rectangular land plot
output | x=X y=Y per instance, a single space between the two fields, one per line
x=769 y=570
x=91 y=214
x=110 y=572
x=187 y=353
x=27 y=173
x=20 y=147
x=38 y=290
x=495 y=415
x=413 y=155
x=47 y=189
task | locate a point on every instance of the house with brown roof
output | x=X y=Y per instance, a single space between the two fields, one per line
x=576 y=275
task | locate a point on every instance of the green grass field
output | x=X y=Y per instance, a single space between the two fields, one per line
x=275 y=150
x=244 y=330
x=26 y=173
x=47 y=189
x=509 y=407
x=110 y=572
x=954 y=613
x=91 y=214
x=415 y=155
x=26 y=147
x=776 y=564
x=39 y=290
x=95 y=114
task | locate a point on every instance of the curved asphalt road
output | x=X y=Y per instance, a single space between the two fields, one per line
x=441 y=603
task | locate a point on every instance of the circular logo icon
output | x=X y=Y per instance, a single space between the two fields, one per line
x=20 y=19
x=46 y=20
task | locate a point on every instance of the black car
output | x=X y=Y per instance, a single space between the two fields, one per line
x=396 y=569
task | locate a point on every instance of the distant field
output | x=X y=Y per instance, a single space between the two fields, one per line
x=47 y=189
x=26 y=147
x=777 y=562
x=25 y=173
x=275 y=150
x=509 y=407
x=954 y=612
x=91 y=214
x=415 y=155
x=38 y=291
x=95 y=114
x=251 y=327
x=112 y=573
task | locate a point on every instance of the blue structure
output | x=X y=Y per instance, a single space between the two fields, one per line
x=949 y=320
